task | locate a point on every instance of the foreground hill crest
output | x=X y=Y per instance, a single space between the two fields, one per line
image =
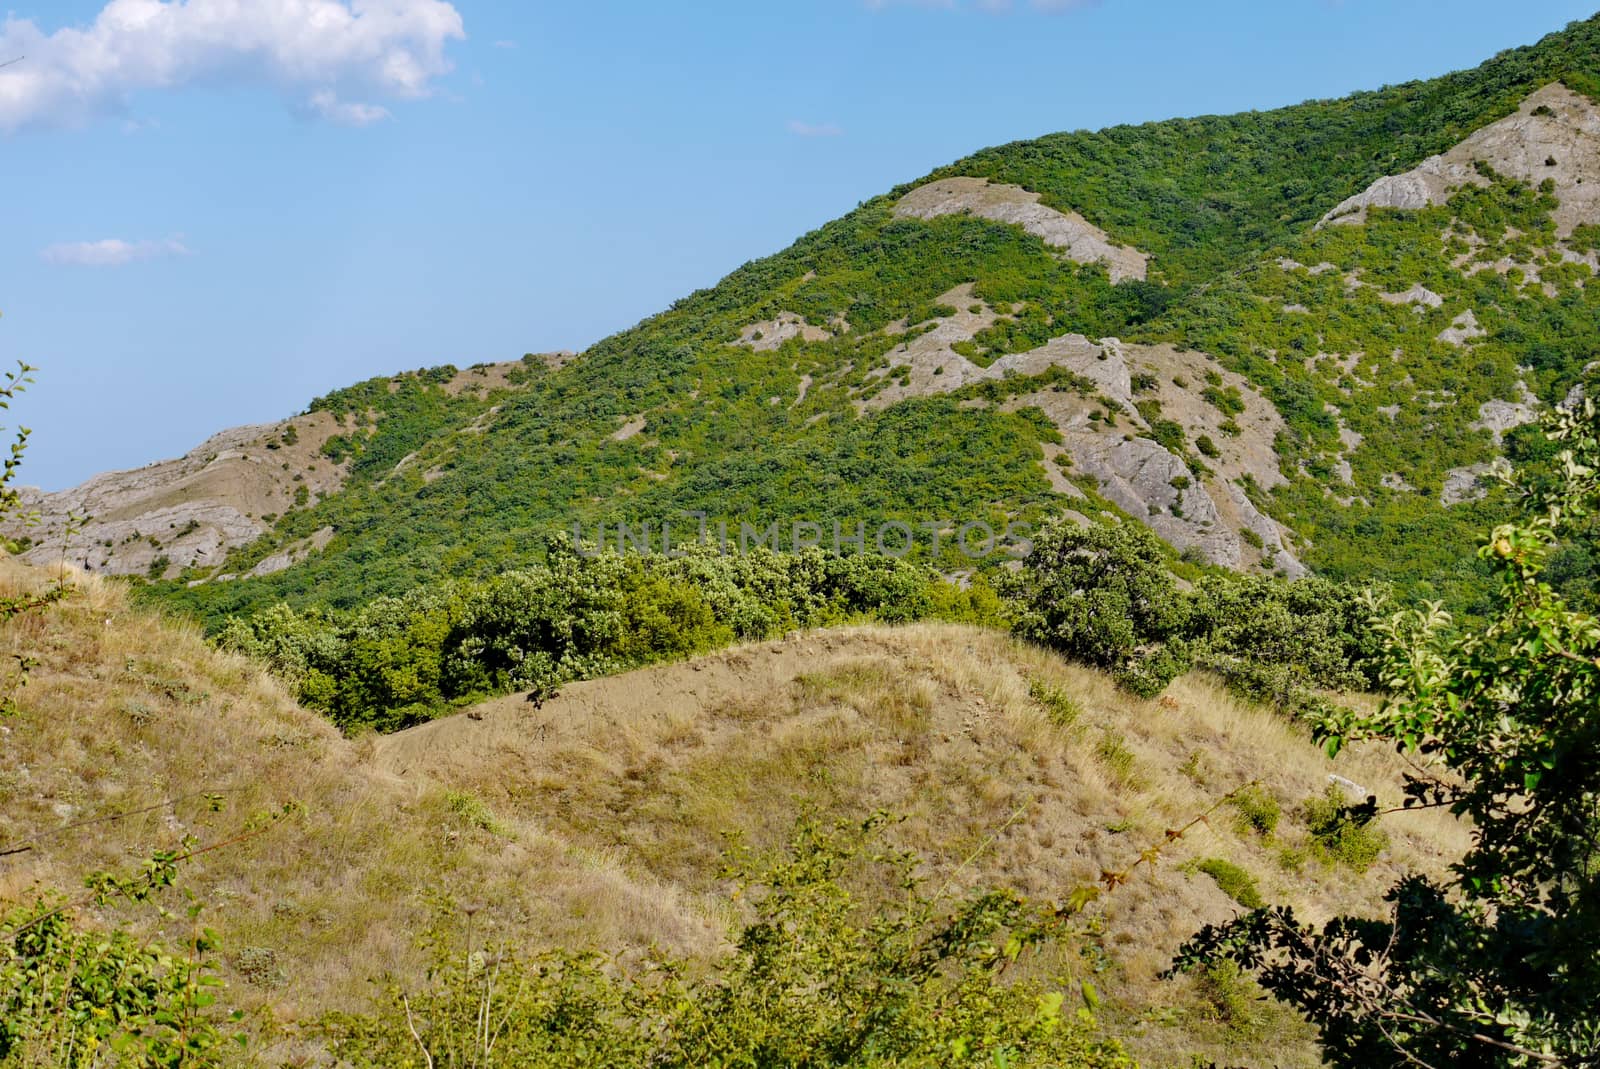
x=599 y=818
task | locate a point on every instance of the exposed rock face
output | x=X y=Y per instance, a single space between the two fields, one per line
x=1555 y=134
x=1149 y=481
x=191 y=510
x=934 y=364
x=628 y=429
x=1081 y=240
x=1122 y=458
x=768 y=334
x=1417 y=294
x=295 y=553
x=1462 y=329
x=1499 y=416
x=1464 y=484
x=1395 y=481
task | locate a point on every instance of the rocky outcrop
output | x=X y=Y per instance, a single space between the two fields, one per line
x=1416 y=295
x=1554 y=135
x=1497 y=416
x=929 y=354
x=1395 y=481
x=189 y=512
x=1079 y=239
x=1162 y=489
x=1465 y=484
x=1462 y=329
x=768 y=334
x=1107 y=440
x=295 y=553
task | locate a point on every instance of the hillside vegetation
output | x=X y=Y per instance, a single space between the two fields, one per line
x=597 y=819
x=1152 y=322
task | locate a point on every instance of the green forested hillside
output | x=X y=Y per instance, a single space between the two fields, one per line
x=792 y=389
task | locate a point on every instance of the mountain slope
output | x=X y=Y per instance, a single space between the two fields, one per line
x=596 y=819
x=1145 y=322
x=227 y=492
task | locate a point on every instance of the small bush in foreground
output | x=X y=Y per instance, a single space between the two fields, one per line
x=1112 y=751
x=815 y=979
x=1062 y=709
x=75 y=995
x=1230 y=997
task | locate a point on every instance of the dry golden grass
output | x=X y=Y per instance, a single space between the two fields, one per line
x=936 y=724
x=125 y=711
x=598 y=819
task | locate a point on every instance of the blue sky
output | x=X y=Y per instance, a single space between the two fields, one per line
x=220 y=209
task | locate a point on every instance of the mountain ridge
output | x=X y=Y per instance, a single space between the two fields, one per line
x=979 y=346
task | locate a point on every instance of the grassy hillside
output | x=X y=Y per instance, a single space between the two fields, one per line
x=597 y=818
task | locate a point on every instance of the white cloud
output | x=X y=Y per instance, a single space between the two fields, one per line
x=326 y=104
x=316 y=52
x=110 y=252
x=808 y=129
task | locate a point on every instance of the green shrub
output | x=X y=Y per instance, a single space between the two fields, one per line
x=1103 y=595
x=1283 y=642
x=1257 y=809
x=1112 y=752
x=1227 y=401
x=473 y=812
x=1062 y=709
x=1343 y=833
x=73 y=993
x=976 y=602
x=1234 y=881
x=1230 y=996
